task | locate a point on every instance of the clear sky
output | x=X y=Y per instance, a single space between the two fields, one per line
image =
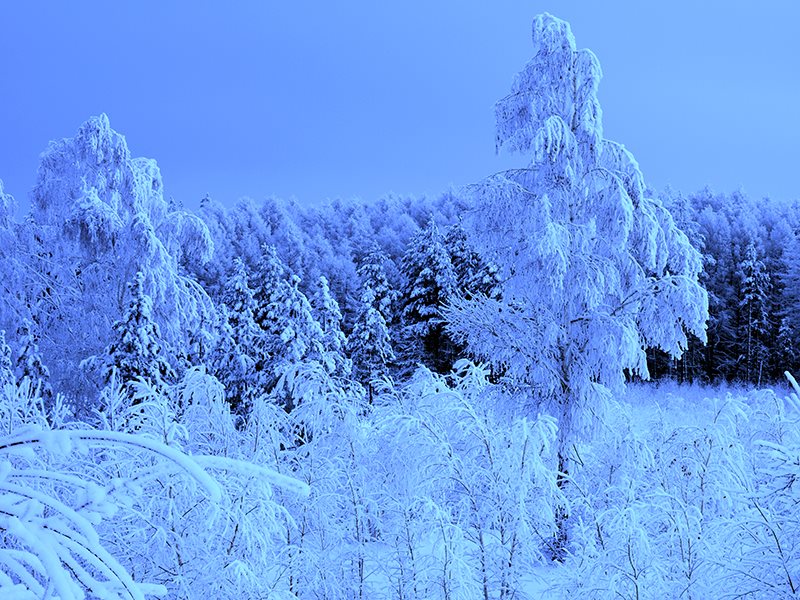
x=359 y=98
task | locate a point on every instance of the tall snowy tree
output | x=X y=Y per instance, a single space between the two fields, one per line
x=327 y=313
x=370 y=345
x=754 y=315
x=594 y=270
x=98 y=216
x=431 y=283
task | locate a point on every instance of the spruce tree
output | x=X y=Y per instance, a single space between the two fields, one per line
x=283 y=312
x=6 y=363
x=234 y=367
x=372 y=274
x=29 y=363
x=241 y=306
x=754 y=315
x=327 y=313
x=137 y=350
x=475 y=276
x=370 y=345
x=430 y=284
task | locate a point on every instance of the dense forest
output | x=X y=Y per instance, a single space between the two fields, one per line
x=400 y=398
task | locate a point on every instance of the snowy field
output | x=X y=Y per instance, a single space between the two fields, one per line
x=685 y=492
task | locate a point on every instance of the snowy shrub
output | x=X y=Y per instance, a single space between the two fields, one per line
x=651 y=500
x=486 y=484
x=762 y=553
x=99 y=511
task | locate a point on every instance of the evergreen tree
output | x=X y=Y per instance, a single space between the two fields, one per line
x=234 y=367
x=327 y=313
x=431 y=282
x=239 y=299
x=754 y=320
x=137 y=350
x=372 y=274
x=6 y=363
x=787 y=348
x=369 y=345
x=283 y=312
x=270 y=272
x=29 y=363
x=474 y=275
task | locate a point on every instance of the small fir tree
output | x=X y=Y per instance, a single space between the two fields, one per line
x=137 y=350
x=29 y=364
x=6 y=362
x=372 y=274
x=474 y=275
x=234 y=367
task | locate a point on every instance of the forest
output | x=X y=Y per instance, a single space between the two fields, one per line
x=553 y=383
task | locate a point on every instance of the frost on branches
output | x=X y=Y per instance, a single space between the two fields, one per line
x=98 y=216
x=594 y=270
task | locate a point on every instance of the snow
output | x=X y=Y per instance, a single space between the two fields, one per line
x=414 y=398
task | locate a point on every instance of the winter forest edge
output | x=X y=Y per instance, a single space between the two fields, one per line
x=501 y=392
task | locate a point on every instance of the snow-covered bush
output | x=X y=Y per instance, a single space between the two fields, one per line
x=100 y=511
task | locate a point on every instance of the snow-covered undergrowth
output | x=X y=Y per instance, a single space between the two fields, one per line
x=687 y=493
x=432 y=491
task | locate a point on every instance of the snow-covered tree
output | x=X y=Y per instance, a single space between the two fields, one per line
x=754 y=319
x=283 y=312
x=137 y=350
x=29 y=363
x=431 y=283
x=327 y=313
x=98 y=216
x=370 y=345
x=234 y=367
x=239 y=299
x=475 y=276
x=594 y=270
x=372 y=275
x=6 y=362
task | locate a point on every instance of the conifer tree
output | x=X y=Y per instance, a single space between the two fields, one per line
x=283 y=312
x=475 y=276
x=234 y=367
x=369 y=345
x=754 y=307
x=137 y=350
x=239 y=300
x=372 y=275
x=327 y=313
x=29 y=363
x=6 y=363
x=431 y=283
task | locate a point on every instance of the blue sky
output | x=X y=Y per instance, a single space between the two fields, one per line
x=358 y=98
